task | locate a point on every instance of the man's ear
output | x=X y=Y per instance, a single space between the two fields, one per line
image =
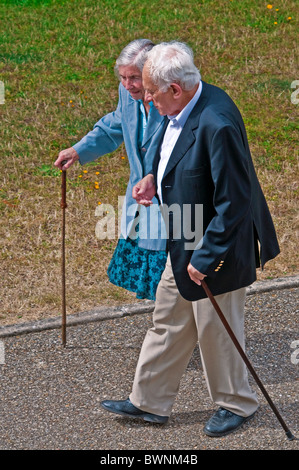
x=176 y=90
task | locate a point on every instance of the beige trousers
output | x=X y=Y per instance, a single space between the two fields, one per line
x=178 y=325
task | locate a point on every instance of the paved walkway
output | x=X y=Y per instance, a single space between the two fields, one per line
x=50 y=394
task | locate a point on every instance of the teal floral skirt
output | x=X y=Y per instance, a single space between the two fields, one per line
x=136 y=269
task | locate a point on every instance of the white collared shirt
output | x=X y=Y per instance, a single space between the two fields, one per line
x=172 y=133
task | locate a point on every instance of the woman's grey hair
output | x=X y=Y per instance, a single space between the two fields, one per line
x=135 y=53
x=172 y=62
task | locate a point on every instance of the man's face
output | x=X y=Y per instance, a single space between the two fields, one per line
x=164 y=102
x=131 y=78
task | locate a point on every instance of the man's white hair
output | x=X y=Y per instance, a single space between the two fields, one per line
x=172 y=62
x=134 y=53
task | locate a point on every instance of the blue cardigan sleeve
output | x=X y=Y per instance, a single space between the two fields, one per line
x=106 y=136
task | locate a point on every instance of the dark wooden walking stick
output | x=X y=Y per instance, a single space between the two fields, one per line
x=289 y=434
x=63 y=206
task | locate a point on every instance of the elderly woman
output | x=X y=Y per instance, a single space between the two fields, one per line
x=139 y=258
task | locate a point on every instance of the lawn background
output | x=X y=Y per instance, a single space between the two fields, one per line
x=56 y=63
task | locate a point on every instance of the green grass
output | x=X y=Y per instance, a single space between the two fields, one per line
x=56 y=62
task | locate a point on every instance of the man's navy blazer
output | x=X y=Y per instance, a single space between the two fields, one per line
x=210 y=177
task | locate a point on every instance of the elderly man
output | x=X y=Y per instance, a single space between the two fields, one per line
x=203 y=159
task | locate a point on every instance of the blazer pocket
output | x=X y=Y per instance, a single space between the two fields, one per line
x=195 y=172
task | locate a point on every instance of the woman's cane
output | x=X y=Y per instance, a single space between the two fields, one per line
x=289 y=434
x=63 y=206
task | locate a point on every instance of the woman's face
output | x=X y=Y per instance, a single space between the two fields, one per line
x=131 y=79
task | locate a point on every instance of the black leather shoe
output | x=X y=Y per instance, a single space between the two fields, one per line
x=126 y=408
x=224 y=422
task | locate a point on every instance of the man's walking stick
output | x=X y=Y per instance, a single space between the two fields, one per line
x=63 y=206
x=246 y=360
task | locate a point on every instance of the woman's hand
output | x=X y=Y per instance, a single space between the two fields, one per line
x=69 y=155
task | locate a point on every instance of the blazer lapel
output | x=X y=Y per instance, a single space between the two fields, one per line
x=187 y=136
x=184 y=142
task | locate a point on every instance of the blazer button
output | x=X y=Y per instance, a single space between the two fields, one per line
x=143 y=149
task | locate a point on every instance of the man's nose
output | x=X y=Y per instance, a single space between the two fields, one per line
x=147 y=97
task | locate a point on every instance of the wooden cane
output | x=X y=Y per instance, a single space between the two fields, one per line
x=63 y=206
x=289 y=434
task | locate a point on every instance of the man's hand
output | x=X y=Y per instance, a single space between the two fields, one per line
x=144 y=191
x=70 y=155
x=195 y=275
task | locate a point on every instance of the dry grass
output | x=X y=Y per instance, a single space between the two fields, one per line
x=56 y=61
